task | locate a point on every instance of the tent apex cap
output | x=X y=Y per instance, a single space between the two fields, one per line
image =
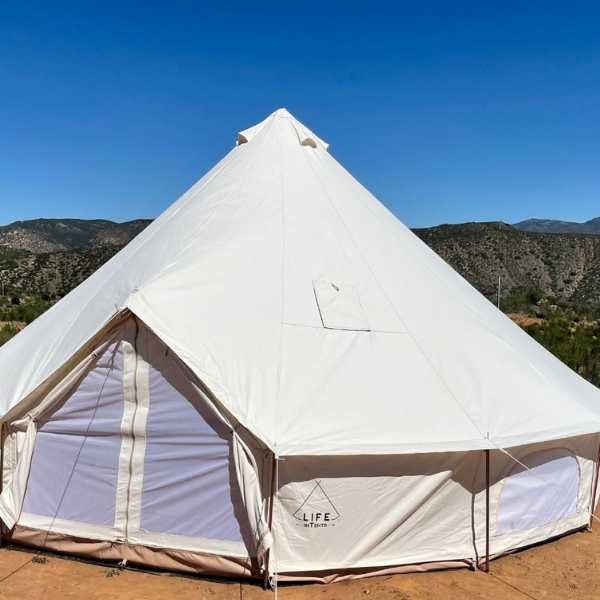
x=300 y=132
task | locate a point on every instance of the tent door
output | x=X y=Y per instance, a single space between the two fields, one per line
x=135 y=454
x=75 y=464
x=183 y=487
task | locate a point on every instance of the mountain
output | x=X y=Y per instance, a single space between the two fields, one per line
x=46 y=258
x=56 y=235
x=564 y=266
x=552 y=226
x=42 y=260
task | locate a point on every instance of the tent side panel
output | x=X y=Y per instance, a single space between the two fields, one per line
x=74 y=467
x=336 y=513
x=134 y=454
x=549 y=496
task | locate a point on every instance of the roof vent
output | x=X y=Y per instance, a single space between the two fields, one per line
x=305 y=136
x=340 y=306
x=309 y=142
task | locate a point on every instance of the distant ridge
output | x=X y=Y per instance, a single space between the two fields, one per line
x=564 y=266
x=59 y=235
x=49 y=257
x=553 y=226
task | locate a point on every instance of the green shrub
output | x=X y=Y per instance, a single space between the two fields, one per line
x=7 y=332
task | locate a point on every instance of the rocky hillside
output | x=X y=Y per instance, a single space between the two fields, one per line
x=564 y=266
x=46 y=258
x=553 y=226
x=50 y=275
x=43 y=260
x=57 y=235
x=551 y=279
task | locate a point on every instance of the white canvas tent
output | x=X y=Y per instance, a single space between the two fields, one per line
x=278 y=378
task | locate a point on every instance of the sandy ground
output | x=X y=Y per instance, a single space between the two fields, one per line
x=566 y=569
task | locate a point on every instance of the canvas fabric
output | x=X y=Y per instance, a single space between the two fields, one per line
x=342 y=513
x=278 y=312
x=126 y=449
x=184 y=561
x=278 y=263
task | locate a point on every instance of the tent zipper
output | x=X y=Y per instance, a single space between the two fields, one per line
x=133 y=436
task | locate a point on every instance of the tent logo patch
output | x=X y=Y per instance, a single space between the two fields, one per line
x=317 y=510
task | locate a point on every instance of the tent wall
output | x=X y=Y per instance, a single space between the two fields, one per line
x=385 y=510
x=335 y=514
x=552 y=496
x=338 y=517
x=130 y=460
x=75 y=464
x=133 y=453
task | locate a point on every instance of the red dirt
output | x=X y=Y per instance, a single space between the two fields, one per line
x=565 y=569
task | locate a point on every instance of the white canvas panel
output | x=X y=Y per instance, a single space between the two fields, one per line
x=75 y=460
x=545 y=493
x=549 y=514
x=341 y=389
x=77 y=529
x=188 y=484
x=341 y=512
x=231 y=264
x=339 y=305
x=9 y=458
x=12 y=497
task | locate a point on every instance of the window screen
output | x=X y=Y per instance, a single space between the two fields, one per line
x=75 y=462
x=545 y=493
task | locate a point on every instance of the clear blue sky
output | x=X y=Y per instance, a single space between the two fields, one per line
x=448 y=112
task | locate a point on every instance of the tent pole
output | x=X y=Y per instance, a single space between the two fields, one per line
x=595 y=490
x=1 y=455
x=271 y=505
x=487 y=511
x=2 y=428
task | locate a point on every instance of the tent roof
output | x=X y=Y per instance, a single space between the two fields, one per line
x=318 y=319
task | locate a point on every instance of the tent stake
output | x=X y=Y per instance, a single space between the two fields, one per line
x=595 y=489
x=487 y=511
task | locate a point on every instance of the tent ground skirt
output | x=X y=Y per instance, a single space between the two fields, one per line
x=166 y=559
x=211 y=565
x=182 y=561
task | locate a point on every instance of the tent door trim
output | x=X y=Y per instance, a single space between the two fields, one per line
x=595 y=488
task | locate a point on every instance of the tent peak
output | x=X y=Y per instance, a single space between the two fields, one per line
x=304 y=135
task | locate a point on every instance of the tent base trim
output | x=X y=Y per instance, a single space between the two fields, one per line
x=337 y=575
x=183 y=561
x=166 y=559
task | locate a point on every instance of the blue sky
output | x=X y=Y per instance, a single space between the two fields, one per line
x=448 y=112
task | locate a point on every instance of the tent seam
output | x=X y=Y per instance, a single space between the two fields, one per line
x=135 y=251
x=282 y=291
x=376 y=279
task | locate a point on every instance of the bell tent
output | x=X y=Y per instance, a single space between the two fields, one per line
x=278 y=379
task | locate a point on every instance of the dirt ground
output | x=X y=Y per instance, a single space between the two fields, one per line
x=525 y=320
x=565 y=569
